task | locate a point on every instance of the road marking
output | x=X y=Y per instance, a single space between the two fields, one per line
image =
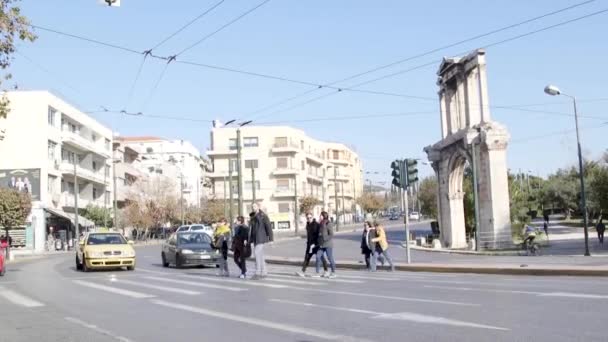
x=19 y=299
x=534 y=293
x=199 y=284
x=404 y=316
x=405 y=299
x=261 y=283
x=158 y=287
x=257 y=322
x=97 y=329
x=294 y=281
x=116 y=290
x=277 y=275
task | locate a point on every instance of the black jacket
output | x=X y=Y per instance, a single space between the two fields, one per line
x=241 y=234
x=364 y=243
x=312 y=232
x=261 y=230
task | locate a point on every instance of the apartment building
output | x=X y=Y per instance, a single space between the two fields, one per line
x=128 y=169
x=178 y=160
x=48 y=145
x=281 y=165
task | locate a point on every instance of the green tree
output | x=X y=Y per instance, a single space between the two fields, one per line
x=14 y=208
x=212 y=210
x=102 y=217
x=308 y=203
x=371 y=203
x=13 y=26
x=427 y=195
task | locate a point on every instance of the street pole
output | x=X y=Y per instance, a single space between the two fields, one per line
x=225 y=207
x=114 y=195
x=181 y=196
x=253 y=182
x=407 y=228
x=323 y=188
x=76 y=190
x=230 y=189
x=354 y=206
x=239 y=173
x=475 y=195
x=336 y=197
x=343 y=204
x=295 y=208
x=105 y=195
x=582 y=178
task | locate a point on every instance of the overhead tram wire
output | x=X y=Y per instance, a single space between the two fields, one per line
x=407 y=59
x=223 y=27
x=353 y=87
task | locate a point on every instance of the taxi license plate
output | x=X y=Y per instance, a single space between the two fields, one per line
x=205 y=257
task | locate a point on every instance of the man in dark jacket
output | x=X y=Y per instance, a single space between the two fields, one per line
x=240 y=246
x=261 y=233
x=326 y=244
x=312 y=247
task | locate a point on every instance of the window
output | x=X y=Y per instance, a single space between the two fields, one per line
x=94 y=166
x=72 y=127
x=232 y=144
x=50 y=186
x=336 y=154
x=281 y=163
x=302 y=144
x=280 y=142
x=250 y=142
x=51 y=116
x=68 y=156
x=283 y=184
x=93 y=136
x=303 y=166
x=108 y=144
x=51 y=150
x=248 y=185
x=283 y=207
x=94 y=193
x=283 y=225
x=232 y=165
x=107 y=171
x=251 y=164
x=149 y=150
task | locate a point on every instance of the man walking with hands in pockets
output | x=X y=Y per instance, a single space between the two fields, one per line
x=312 y=246
x=260 y=234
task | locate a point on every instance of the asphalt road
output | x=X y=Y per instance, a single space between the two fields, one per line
x=47 y=300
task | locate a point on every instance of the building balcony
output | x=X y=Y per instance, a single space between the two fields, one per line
x=284 y=171
x=83 y=144
x=314 y=178
x=98 y=177
x=288 y=146
x=283 y=192
x=127 y=168
x=68 y=200
x=343 y=162
x=221 y=152
x=315 y=158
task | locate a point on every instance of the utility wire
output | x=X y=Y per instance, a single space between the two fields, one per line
x=426 y=53
x=223 y=27
x=187 y=24
x=90 y=40
x=400 y=72
x=156 y=84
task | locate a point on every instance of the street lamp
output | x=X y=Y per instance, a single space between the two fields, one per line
x=554 y=91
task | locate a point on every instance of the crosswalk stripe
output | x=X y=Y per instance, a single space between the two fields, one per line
x=199 y=284
x=19 y=299
x=112 y=289
x=261 y=283
x=158 y=287
x=294 y=281
x=280 y=275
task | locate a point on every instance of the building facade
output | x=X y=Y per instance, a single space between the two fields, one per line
x=50 y=146
x=128 y=170
x=178 y=160
x=282 y=165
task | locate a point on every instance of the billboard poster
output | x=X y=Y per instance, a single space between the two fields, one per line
x=22 y=180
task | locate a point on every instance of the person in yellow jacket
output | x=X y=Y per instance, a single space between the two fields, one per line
x=221 y=236
x=381 y=248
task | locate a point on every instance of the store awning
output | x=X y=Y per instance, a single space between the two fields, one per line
x=69 y=216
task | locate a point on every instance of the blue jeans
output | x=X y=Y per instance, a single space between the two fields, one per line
x=375 y=257
x=329 y=252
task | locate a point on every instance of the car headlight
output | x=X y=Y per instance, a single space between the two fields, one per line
x=95 y=254
x=186 y=251
x=129 y=254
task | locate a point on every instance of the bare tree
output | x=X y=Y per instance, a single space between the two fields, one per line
x=152 y=203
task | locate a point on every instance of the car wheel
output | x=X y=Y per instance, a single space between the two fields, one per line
x=78 y=264
x=165 y=263
x=131 y=268
x=178 y=261
x=84 y=266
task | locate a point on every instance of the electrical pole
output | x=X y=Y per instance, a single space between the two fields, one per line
x=253 y=182
x=181 y=196
x=230 y=187
x=343 y=204
x=407 y=226
x=105 y=195
x=114 y=195
x=323 y=188
x=239 y=173
x=295 y=200
x=336 y=197
x=225 y=207
x=76 y=190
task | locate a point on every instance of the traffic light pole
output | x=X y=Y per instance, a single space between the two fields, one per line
x=406 y=219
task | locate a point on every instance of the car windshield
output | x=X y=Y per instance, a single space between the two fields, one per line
x=193 y=238
x=106 y=239
x=196 y=227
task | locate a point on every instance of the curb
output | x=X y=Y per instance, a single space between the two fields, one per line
x=497 y=270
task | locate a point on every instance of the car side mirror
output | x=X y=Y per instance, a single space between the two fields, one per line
x=130 y=242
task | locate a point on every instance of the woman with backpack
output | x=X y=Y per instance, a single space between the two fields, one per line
x=221 y=236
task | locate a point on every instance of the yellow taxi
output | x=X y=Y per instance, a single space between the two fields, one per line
x=103 y=250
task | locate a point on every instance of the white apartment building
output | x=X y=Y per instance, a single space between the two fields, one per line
x=177 y=159
x=287 y=165
x=47 y=142
x=128 y=170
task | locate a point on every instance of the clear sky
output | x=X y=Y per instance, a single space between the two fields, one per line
x=322 y=41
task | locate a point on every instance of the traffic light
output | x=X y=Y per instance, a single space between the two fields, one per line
x=411 y=172
x=396 y=166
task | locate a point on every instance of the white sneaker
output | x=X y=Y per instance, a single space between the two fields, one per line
x=316 y=275
x=325 y=275
x=332 y=276
x=301 y=274
x=242 y=276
